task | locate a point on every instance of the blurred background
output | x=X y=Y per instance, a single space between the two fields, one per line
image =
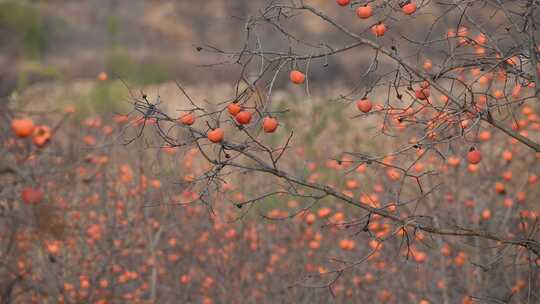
x=147 y=41
x=141 y=41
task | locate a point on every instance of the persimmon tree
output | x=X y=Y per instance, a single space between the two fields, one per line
x=450 y=91
x=417 y=182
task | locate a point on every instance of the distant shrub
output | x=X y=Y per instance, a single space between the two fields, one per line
x=25 y=22
x=122 y=64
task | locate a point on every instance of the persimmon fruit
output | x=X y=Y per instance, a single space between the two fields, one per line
x=103 y=76
x=216 y=135
x=364 y=105
x=428 y=64
x=364 y=12
x=243 y=118
x=234 y=109
x=297 y=77
x=474 y=156
x=409 y=8
x=270 y=124
x=22 y=127
x=422 y=93
x=187 y=119
x=42 y=135
x=379 y=29
x=32 y=195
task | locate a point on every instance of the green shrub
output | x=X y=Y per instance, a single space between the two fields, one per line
x=25 y=22
x=121 y=64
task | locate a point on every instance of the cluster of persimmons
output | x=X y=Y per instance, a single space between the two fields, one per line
x=88 y=234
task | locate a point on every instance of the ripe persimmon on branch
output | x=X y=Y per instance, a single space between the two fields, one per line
x=440 y=80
